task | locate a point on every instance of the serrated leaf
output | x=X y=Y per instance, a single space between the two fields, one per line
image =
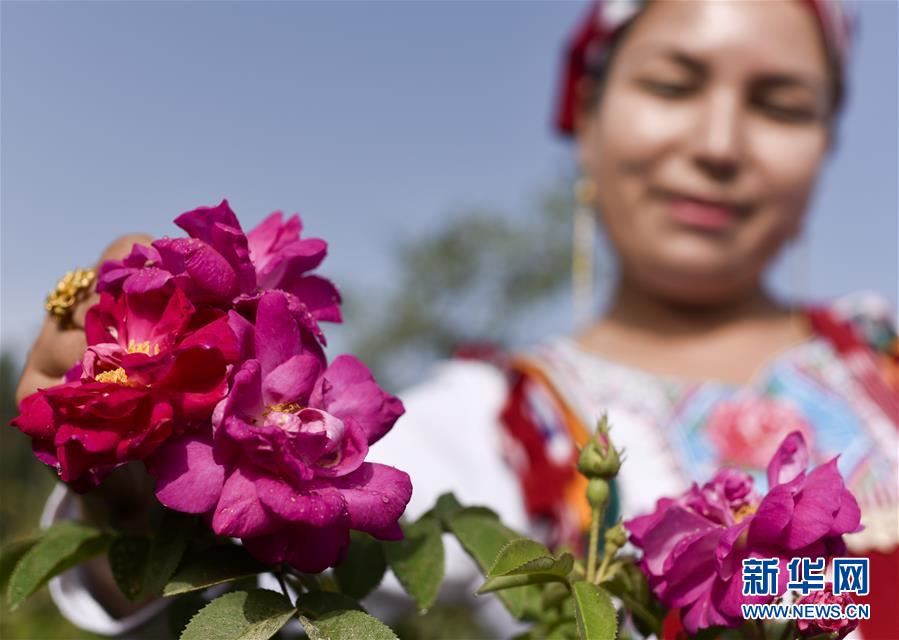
x=540 y=570
x=363 y=568
x=61 y=548
x=483 y=536
x=418 y=560
x=216 y=565
x=10 y=554
x=515 y=554
x=312 y=632
x=347 y=625
x=256 y=614
x=499 y=583
x=128 y=562
x=594 y=613
x=319 y=603
x=560 y=566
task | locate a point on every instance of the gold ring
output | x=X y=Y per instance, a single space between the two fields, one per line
x=71 y=289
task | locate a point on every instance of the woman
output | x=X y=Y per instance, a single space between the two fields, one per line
x=700 y=142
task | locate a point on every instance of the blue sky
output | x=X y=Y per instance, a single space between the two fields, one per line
x=374 y=120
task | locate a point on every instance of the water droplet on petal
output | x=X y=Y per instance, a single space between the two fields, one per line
x=385 y=499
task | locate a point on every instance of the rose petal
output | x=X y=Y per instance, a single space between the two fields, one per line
x=376 y=496
x=319 y=295
x=187 y=477
x=789 y=461
x=348 y=390
x=277 y=334
x=239 y=512
x=317 y=504
x=292 y=380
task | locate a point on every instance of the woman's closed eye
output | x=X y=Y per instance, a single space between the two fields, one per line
x=787 y=100
x=786 y=112
x=669 y=88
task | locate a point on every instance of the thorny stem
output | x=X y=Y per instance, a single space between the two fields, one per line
x=594 y=542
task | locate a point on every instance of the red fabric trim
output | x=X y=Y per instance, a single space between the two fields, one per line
x=542 y=482
x=883 y=580
x=859 y=357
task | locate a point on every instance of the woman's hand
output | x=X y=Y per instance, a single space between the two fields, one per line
x=56 y=350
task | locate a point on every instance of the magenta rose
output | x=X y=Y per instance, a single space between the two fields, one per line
x=218 y=264
x=694 y=545
x=212 y=265
x=285 y=471
x=152 y=367
x=835 y=628
x=283 y=261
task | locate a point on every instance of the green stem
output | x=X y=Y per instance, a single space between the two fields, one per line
x=594 y=542
x=280 y=576
x=603 y=567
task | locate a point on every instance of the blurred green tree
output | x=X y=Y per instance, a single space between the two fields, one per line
x=480 y=278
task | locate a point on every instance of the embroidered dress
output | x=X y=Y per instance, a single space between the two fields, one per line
x=838 y=388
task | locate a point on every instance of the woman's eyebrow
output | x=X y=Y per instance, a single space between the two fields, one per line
x=686 y=61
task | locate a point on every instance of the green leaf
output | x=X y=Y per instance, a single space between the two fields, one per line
x=216 y=565
x=540 y=570
x=628 y=583
x=363 y=568
x=256 y=614
x=166 y=550
x=10 y=554
x=443 y=622
x=446 y=506
x=483 y=536
x=418 y=560
x=319 y=603
x=515 y=554
x=312 y=632
x=62 y=547
x=500 y=583
x=594 y=612
x=560 y=567
x=128 y=561
x=565 y=630
x=346 y=625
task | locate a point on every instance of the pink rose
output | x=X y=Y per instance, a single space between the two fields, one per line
x=746 y=431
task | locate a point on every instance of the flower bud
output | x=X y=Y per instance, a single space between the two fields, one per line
x=598 y=492
x=599 y=458
x=616 y=537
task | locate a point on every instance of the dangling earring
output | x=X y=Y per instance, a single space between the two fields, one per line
x=583 y=250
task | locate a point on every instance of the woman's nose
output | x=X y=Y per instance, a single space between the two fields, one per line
x=717 y=143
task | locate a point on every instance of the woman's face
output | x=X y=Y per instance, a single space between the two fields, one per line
x=706 y=141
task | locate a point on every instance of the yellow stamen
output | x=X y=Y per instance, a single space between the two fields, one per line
x=115 y=376
x=142 y=347
x=745 y=510
x=283 y=407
